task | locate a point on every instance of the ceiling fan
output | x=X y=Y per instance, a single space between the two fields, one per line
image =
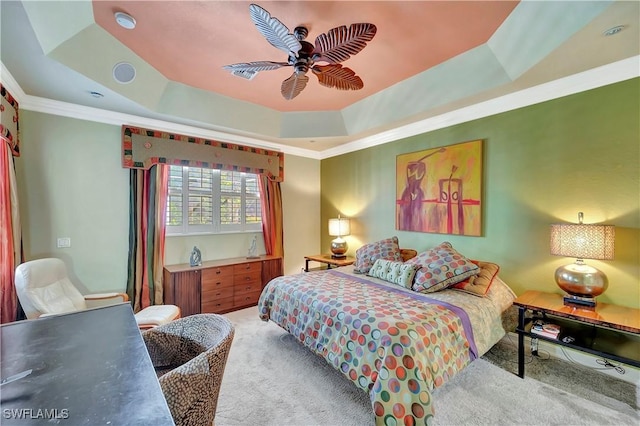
x=336 y=46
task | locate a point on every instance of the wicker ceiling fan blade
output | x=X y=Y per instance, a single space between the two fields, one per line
x=274 y=31
x=336 y=46
x=249 y=70
x=340 y=43
x=337 y=76
x=293 y=85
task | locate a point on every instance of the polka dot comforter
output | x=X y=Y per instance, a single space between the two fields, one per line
x=396 y=344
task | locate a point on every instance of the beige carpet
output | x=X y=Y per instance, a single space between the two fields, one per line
x=270 y=379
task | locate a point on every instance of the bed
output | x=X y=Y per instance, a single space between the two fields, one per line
x=395 y=343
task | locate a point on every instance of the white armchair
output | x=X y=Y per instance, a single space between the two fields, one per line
x=44 y=288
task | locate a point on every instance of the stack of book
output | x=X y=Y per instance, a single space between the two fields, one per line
x=548 y=330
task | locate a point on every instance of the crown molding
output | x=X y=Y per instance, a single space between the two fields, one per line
x=587 y=80
x=615 y=72
x=11 y=84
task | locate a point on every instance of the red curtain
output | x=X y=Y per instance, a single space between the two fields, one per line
x=10 y=240
x=10 y=233
x=271 y=201
x=147 y=217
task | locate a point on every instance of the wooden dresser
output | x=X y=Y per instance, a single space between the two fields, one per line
x=219 y=286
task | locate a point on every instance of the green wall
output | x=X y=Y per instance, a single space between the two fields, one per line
x=542 y=164
x=71 y=184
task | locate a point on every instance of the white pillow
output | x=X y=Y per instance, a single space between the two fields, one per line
x=394 y=272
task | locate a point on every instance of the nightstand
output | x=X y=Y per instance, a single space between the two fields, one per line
x=606 y=330
x=328 y=260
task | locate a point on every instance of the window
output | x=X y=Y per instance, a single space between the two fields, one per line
x=212 y=201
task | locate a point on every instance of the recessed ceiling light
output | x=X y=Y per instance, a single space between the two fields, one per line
x=614 y=30
x=125 y=20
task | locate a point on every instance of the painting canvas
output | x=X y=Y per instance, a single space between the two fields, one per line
x=439 y=190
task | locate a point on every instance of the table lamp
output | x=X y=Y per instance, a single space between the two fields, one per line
x=582 y=282
x=339 y=228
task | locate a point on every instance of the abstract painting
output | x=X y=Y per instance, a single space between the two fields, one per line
x=439 y=190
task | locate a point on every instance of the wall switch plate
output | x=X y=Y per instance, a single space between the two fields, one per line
x=64 y=242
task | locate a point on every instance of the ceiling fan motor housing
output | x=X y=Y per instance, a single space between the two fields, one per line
x=304 y=61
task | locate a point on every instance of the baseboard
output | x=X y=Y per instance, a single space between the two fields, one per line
x=631 y=373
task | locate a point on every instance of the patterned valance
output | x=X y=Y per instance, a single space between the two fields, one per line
x=142 y=148
x=9 y=127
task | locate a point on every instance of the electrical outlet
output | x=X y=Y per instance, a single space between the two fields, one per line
x=64 y=242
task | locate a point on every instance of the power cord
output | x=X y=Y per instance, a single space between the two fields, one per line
x=527 y=360
x=544 y=355
x=602 y=361
x=608 y=365
x=535 y=352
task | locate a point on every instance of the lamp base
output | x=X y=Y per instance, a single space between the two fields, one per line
x=571 y=300
x=338 y=248
x=581 y=280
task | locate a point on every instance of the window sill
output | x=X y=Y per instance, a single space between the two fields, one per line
x=199 y=234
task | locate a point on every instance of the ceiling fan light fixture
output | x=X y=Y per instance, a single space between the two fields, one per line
x=125 y=20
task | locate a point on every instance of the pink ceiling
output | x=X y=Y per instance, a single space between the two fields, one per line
x=189 y=42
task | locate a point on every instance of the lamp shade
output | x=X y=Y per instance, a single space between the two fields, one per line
x=582 y=282
x=583 y=241
x=339 y=227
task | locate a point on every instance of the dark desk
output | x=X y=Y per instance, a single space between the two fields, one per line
x=88 y=368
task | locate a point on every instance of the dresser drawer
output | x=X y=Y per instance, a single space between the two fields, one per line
x=248 y=277
x=211 y=295
x=244 y=268
x=248 y=286
x=245 y=299
x=219 y=305
x=215 y=278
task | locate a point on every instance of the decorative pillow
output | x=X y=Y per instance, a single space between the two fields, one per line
x=479 y=284
x=367 y=254
x=394 y=272
x=441 y=267
x=407 y=254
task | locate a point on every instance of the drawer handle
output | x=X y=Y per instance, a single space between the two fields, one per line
x=247 y=278
x=218 y=271
x=248 y=287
